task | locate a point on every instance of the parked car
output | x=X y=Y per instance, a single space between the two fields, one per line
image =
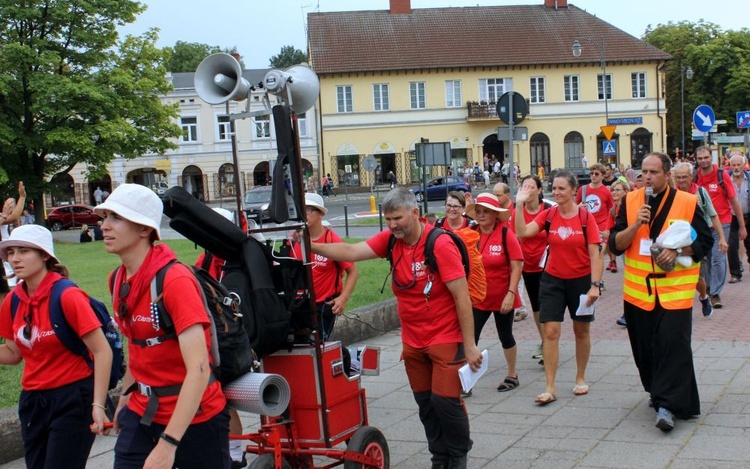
x=160 y=188
x=436 y=187
x=257 y=201
x=71 y=216
x=582 y=174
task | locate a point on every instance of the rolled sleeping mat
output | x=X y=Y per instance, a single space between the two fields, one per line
x=259 y=393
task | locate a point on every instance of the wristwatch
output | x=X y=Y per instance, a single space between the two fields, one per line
x=597 y=284
x=678 y=251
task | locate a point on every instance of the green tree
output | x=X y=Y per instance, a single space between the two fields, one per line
x=287 y=57
x=185 y=56
x=720 y=61
x=71 y=93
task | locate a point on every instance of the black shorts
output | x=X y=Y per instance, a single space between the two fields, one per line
x=531 y=280
x=557 y=294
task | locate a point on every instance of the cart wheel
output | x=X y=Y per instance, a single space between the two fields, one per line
x=266 y=461
x=370 y=442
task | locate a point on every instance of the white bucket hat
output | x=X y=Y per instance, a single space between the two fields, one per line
x=135 y=203
x=315 y=200
x=30 y=236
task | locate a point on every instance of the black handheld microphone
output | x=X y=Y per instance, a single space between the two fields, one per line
x=649 y=194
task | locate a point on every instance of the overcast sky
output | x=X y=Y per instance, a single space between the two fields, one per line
x=259 y=28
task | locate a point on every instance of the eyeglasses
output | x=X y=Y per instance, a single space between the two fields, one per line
x=122 y=310
x=27 y=327
x=452 y=207
x=398 y=285
x=595 y=173
x=311 y=209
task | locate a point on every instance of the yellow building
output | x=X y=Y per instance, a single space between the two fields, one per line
x=393 y=77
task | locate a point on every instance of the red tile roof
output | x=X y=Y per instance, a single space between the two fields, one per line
x=356 y=41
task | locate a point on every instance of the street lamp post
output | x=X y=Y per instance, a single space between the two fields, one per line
x=684 y=72
x=577 y=49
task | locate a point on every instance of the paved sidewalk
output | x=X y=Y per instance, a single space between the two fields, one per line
x=611 y=427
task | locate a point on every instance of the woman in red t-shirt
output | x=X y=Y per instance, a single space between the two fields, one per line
x=58 y=385
x=533 y=249
x=573 y=269
x=503 y=271
x=454 y=219
x=172 y=412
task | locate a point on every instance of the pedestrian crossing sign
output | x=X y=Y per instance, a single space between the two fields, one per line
x=609 y=147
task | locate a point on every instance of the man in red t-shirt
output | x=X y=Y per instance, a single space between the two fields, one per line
x=724 y=197
x=437 y=325
x=597 y=198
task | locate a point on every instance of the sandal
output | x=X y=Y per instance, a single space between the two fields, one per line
x=508 y=384
x=581 y=389
x=545 y=398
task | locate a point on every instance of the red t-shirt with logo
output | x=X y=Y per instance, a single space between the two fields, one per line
x=48 y=363
x=599 y=202
x=568 y=253
x=163 y=365
x=718 y=197
x=430 y=321
x=497 y=266
x=510 y=222
x=533 y=248
x=327 y=277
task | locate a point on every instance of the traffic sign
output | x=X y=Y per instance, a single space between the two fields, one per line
x=609 y=147
x=743 y=120
x=520 y=108
x=369 y=163
x=608 y=131
x=704 y=118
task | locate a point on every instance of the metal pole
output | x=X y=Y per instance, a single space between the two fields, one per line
x=346 y=220
x=236 y=163
x=682 y=107
x=512 y=167
x=605 y=82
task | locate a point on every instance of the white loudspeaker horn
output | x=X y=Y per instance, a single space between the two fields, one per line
x=297 y=86
x=219 y=79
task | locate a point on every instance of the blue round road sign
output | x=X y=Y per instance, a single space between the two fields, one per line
x=704 y=118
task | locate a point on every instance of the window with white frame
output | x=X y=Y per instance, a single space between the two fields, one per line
x=453 y=93
x=571 y=88
x=490 y=89
x=189 y=129
x=262 y=126
x=344 y=98
x=417 y=95
x=538 y=94
x=638 y=84
x=223 y=128
x=380 y=97
x=600 y=86
x=302 y=124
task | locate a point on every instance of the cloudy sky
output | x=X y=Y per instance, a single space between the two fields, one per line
x=259 y=28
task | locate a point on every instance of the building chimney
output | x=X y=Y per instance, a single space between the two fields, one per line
x=556 y=4
x=400 y=7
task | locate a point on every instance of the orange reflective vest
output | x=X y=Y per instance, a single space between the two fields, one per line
x=644 y=280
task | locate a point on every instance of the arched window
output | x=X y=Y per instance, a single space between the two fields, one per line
x=573 y=150
x=640 y=146
x=224 y=185
x=540 y=158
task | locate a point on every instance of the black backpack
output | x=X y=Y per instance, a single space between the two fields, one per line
x=271 y=290
x=70 y=339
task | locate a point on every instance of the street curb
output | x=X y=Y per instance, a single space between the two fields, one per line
x=357 y=326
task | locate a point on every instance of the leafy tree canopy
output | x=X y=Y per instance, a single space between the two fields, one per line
x=72 y=92
x=185 y=56
x=720 y=61
x=287 y=57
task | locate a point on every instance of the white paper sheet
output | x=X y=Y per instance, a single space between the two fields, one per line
x=469 y=378
x=584 y=310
